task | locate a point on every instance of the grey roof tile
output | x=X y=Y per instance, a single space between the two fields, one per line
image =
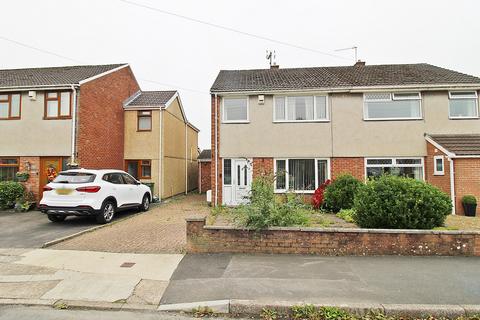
x=337 y=77
x=151 y=98
x=205 y=155
x=51 y=75
x=459 y=144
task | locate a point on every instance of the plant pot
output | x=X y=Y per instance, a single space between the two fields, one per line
x=469 y=209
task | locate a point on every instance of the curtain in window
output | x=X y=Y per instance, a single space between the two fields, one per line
x=301 y=174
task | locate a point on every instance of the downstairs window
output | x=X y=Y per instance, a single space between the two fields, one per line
x=404 y=167
x=300 y=175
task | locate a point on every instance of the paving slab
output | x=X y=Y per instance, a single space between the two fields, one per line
x=7 y=269
x=26 y=290
x=148 y=292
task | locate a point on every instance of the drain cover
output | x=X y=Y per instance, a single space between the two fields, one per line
x=127 y=264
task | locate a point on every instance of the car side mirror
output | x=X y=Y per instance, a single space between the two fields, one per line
x=137 y=182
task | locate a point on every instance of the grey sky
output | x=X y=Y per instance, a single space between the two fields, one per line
x=186 y=54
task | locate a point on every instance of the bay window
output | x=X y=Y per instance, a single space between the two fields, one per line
x=235 y=109
x=404 y=167
x=300 y=108
x=10 y=104
x=463 y=104
x=392 y=106
x=300 y=175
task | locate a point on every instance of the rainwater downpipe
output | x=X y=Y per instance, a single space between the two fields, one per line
x=452 y=184
x=74 y=126
x=216 y=152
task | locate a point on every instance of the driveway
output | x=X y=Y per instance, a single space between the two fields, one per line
x=32 y=229
x=160 y=230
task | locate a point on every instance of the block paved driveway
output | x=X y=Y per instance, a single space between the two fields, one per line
x=160 y=230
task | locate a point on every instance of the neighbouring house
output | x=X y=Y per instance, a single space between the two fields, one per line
x=306 y=125
x=50 y=117
x=161 y=146
x=204 y=171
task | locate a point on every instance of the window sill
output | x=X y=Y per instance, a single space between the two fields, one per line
x=10 y=119
x=300 y=121
x=230 y=122
x=439 y=174
x=463 y=118
x=58 y=118
x=296 y=192
x=144 y=130
x=392 y=119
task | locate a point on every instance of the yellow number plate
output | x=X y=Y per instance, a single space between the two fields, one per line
x=64 y=191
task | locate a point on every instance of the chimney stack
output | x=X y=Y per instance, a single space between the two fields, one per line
x=359 y=63
x=274 y=66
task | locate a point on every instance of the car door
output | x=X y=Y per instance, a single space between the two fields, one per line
x=119 y=189
x=134 y=190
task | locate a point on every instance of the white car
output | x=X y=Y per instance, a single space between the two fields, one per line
x=99 y=193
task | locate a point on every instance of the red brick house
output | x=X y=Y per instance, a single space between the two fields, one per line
x=204 y=171
x=52 y=117
x=307 y=125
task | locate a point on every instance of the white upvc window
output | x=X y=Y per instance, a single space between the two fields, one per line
x=392 y=106
x=404 y=167
x=300 y=108
x=300 y=175
x=463 y=104
x=438 y=166
x=235 y=110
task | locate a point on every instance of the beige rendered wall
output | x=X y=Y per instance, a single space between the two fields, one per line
x=144 y=145
x=192 y=155
x=351 y=135
x=33 y=136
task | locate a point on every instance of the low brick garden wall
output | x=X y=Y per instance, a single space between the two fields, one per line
x=330 y=241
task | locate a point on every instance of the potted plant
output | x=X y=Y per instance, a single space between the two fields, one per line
x=22 y=176
x=469 y=203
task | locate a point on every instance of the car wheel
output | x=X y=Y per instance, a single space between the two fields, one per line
x=56 y=218
x=106 y=212
x=145 y=203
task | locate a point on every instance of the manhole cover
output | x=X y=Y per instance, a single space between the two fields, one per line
x=127 y=264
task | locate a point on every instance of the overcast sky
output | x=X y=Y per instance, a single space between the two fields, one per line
x=187 y=56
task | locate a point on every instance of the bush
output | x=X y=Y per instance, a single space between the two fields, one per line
x=400 y=203
x=341 y=193
x=264 y=211
x=318 y=195
x=347 y=215
x=469 y=199
x=10 y=191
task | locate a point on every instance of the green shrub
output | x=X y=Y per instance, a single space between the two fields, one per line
x=469 y=199
x=264 y=211
x=304 y=312
x=400 y=203
x=340 y=193
x=10 y=191
x=334 y=313
x=347 y=215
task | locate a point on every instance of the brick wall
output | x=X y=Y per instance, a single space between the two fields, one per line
x=262 y=166
x=467 y=181
x=353 y=166
x=209 y=239
x=440 y=181
x=219 y=160
x=100 y=138
x=33 y=182
x=205 y=182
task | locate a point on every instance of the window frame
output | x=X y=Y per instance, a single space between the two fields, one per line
x=287 y=177
x=477 y=116
x=223 y=172
x=394 y=164
x=9 y=100
x=285 y=97
x=139 y=168
x=17 y=165
x=59 y=102
x=224 y=120
x=140 y=115
x=392 y=98
x=435 y=171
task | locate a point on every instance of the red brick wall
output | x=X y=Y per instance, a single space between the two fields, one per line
x=210 y=239
x=205 y=176
x=262 y=166
x=353 y=166
x=100 y=138
x=33 y=182
x=467 y=181
x=442 y=182
x=219 y=160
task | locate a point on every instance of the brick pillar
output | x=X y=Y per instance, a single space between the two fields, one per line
x=32 y=166
x=218 y=162
x=348 y=165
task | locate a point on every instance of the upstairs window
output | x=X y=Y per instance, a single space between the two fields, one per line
x=144 y=120
x=10 y=105
x=463 y=104
x=58 y=105
x=300 y=108
x=392 y=106
x=235 y=109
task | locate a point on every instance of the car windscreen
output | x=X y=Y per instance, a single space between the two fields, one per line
x=74 y=177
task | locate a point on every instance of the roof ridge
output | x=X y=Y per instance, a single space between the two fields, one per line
x=334 y=67
x=70 y=66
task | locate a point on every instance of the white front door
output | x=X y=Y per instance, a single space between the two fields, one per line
x=237 y=186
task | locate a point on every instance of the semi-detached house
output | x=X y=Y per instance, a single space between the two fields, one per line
x=307 y=125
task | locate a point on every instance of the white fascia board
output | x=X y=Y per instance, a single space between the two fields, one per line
x=142 y=108
x=131 y=98
x=103 y=74
x=204 y=160
x=193 y=127
x=39 y=88
x=169 y=102
x=440 y=147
